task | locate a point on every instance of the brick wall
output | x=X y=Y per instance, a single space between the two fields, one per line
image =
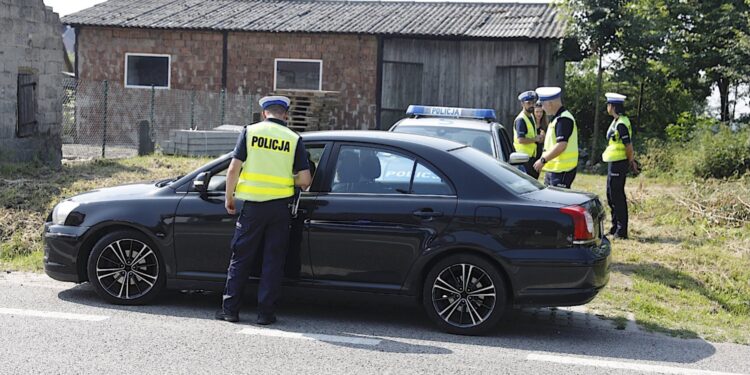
x=349 y=66
x=30 y=42
x=196 y=55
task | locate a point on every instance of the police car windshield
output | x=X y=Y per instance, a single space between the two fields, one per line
x=478 y=139
x=503 y=173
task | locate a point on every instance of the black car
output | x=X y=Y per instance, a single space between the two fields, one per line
x=467 y=235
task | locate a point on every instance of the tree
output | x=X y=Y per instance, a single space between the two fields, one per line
x=708 y=45
x=596 y=24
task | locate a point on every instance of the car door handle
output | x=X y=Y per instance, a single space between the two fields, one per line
x=427 y=214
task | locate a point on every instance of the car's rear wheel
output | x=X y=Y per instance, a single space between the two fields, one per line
x=464 y=294
x=126 y=268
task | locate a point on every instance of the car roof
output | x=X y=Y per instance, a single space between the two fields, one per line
x=381 y=137
x=461 y=123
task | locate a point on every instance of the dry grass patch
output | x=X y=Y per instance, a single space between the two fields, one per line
x=682 y=272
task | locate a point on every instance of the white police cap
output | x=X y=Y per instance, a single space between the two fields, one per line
x=268 y=101
x=548 y=93
x=615 y=97
x=527 y=96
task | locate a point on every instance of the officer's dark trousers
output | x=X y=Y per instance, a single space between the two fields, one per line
x=616 y=174
x=562 y=179
x=261 y=227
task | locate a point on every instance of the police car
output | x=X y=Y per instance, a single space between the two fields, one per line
x=475 y=127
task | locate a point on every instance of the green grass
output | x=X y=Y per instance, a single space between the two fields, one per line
x=29 y=192
x=680 y=273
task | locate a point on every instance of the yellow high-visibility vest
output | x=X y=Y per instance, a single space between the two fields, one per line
x=528 y=148
x=568 y=160
x=267 y=171
x=615 y=150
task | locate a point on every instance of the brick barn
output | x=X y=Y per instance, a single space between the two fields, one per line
x=380 y=56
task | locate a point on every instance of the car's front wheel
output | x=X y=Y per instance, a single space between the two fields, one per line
x=126 y=268
x=464 y=294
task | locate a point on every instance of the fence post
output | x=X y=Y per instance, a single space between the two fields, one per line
x=104 y=133
x=250 y=115
x=192 y=110
x=223 y=104
x=153 y=125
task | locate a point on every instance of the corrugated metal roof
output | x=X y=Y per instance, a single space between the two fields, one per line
x=446 y=19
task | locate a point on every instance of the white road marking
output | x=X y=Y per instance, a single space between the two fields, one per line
x=310 y=336
x=566 y=360
x=53 y=314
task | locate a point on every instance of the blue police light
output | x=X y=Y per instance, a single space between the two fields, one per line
x=475 y=113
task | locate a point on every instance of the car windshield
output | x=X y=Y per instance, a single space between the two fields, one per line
x=503 y=173
x=479 y=139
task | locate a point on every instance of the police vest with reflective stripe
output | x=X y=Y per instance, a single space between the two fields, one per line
x=267 y=171
x=568 y=160
x=615 y=150
x=529 y=148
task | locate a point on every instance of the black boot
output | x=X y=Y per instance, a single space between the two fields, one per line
x=221 y=315
x=266 y=319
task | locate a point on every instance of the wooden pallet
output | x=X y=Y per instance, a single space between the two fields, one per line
x=311 y=110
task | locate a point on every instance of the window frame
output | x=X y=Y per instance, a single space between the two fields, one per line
x=283 y=59
x=327 y=183
x=139 y=54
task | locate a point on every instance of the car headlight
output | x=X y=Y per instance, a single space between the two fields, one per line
x=62 y=210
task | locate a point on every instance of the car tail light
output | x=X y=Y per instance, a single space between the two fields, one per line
x=583 y=223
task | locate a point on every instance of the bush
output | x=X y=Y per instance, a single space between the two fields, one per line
x=722 y=154
x=658 y=158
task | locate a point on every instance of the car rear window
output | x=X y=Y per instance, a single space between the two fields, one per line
x=503 y=173
x=480 y=140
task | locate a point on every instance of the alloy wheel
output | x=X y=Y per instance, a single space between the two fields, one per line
x=463 y=295
x=127 y=269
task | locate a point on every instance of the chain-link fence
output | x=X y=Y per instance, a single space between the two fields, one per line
x=104 y=119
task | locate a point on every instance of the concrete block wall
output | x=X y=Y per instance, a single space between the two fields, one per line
x=31 y=42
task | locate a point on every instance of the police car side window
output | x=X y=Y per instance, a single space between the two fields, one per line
x=368 y=170
x=427 y=182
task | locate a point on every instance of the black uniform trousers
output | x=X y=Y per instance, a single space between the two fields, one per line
x=617 y=172
x=561 y=179
x=261 y=230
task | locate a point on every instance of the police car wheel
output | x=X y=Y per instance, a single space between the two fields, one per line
x=125 y=268
x=464 y=294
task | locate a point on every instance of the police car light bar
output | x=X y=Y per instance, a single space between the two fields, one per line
x=476 y=113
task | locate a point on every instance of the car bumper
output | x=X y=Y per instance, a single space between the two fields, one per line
x=561 y=277
x=61 y=246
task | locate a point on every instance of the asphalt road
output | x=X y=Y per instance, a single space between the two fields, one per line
x=61 y=328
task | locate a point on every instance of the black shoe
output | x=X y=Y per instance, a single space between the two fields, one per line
x=621 y=237
x=221 y=315
x=266 y=319
x=612 y=231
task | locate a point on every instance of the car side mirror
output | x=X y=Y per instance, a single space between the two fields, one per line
x=518 y=158
x=200 y=183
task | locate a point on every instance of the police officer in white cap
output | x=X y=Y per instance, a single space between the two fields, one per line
x=269 y=161
x=619 y=155
x=560 y=156
x=525 y=134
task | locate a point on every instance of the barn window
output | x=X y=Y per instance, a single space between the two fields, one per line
x=292 y=74
x=146 y=70
x=27 y=104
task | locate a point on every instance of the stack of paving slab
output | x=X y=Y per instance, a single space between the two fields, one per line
x=214 y=142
